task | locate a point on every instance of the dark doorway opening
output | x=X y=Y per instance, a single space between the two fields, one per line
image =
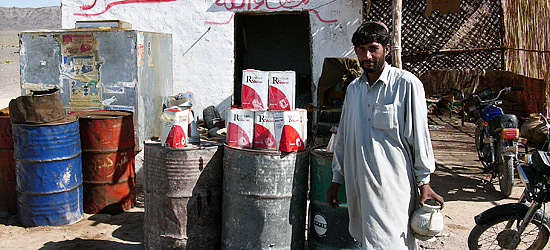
x=273 y=42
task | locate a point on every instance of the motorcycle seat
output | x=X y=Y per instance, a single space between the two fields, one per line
x=503 y=121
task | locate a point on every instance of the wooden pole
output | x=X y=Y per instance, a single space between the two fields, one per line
x=397 y=6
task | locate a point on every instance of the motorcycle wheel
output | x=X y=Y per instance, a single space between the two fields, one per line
x=494 y=235
x=479 y=137
x=506 y=175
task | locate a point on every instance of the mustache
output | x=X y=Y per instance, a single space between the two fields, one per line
x=367 y=61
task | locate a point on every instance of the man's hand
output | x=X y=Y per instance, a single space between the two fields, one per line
x=426 y=192
x=332 y=195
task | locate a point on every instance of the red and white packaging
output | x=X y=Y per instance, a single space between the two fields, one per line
x=255 y=89
x=240 y=128
x=264 y=130
x=303 y=116
x=289 y=130
x=174 y=127
x=282 y=90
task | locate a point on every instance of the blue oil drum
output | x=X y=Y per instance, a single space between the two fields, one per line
x=328 y=228
x=48 y=169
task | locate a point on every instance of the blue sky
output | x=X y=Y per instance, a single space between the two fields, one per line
x=29 y=3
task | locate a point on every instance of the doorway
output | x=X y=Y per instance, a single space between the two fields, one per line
x=271 y=42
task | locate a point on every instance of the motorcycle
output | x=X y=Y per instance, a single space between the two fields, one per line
x=496 y=136
x=522 y=225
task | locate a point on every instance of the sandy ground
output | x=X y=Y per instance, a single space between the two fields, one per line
x=459 y=179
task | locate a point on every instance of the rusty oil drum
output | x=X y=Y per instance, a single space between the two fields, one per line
x=108 y=160
x=264 y=199
x=183 y=192
x=8 y=199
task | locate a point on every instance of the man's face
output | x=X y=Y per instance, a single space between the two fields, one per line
x=372 y=56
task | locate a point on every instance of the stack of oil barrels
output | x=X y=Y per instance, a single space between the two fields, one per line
x=64 y=165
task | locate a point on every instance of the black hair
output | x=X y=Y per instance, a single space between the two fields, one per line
x=370 y=32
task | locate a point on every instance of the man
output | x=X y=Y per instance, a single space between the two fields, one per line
x=383 y=150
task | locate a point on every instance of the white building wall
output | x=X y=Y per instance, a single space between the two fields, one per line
x=203 y=35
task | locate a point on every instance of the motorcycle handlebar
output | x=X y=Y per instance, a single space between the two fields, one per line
x=505 y=89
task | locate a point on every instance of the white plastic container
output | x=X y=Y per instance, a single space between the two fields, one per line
x=255 y=89
x=282 y=90
x=174 y=127
x=264 y=130
x=303 y=117
x=289 y=130
x=240 y=128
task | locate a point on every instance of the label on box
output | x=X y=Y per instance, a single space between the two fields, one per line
x=264 y=130
x=282 y=90
x=240 y=129
x=289 y=130
x=174 y=127
x=255 y=89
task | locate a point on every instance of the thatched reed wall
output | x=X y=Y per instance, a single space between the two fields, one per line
x=527 y=46
x=470 y=39
x=526 y=42
x=504 y=35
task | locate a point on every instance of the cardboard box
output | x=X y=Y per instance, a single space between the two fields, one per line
x=289 y=130
x=255 y=89
x=282 y=90
x=264 y=130
x=174 y=127
x=240 y=128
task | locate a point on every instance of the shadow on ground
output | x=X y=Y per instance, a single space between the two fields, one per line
x=131 y=225
x=455 y=186
x=89 y=244
x=130 y=222
x=459 y=174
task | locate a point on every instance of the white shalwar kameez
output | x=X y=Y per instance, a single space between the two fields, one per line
x=382 y=150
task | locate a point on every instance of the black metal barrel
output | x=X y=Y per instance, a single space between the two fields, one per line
x=264 y=199
x=183 y=191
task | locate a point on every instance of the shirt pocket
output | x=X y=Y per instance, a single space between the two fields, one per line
x=383 y=116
